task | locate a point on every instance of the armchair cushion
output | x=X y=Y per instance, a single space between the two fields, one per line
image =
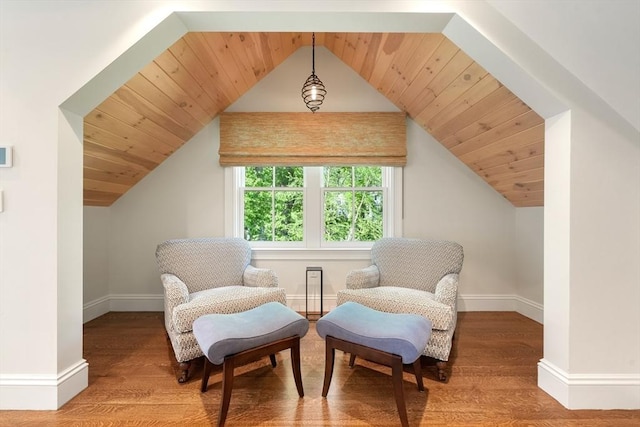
x=393 y=299
x=223 y=300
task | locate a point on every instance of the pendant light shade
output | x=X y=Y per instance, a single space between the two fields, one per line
x=313 y=91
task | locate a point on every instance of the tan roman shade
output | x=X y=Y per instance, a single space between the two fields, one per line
x=306 y=139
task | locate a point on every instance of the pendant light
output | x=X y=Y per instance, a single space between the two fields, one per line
x=313 y=91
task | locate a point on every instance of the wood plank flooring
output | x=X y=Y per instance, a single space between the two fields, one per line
x=132 y=382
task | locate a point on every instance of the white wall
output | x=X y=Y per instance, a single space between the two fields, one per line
x=605 y=256
x=184 y=197
x=604 y=32
x=600 y=228
x=444 y=199
x=592 y=275
x=95 y=279
x=529 y=243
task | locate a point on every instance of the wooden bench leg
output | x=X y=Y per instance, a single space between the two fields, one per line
x=328 y=366
x=417 y=370
x=205 y=375
x=396 y=376
x=295 y=365
x=227 y=385
x=352 y=360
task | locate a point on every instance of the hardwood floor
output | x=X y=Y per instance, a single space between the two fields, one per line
x=132 y=382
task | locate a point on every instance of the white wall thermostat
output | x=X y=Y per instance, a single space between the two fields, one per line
x=6 y=156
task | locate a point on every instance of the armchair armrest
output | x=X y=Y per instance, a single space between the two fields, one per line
x=260 y=277
x=175 y=292
x=368 y=277
x=447 y=290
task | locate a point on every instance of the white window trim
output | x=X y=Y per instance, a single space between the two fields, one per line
x=303 y=250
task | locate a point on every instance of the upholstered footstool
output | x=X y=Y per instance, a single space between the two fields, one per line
x=389 y=339
x=236 y=339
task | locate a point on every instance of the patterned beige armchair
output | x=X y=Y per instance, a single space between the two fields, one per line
x=412 y=276
x=208 y=275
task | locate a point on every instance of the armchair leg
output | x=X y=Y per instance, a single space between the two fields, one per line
x=184 y=371
x=442 y=370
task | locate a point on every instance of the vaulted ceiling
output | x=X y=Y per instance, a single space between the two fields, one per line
x=425 y=75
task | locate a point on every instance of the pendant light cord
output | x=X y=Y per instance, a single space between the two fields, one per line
x=313 y=53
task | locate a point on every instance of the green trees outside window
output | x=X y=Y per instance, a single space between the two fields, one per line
x=273 y=204
x=352 y=204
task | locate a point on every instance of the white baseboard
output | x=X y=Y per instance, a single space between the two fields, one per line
x=470 y=302
x=154 y=302
x=43 y=392
x=528 y=308
x=137 y=302
x=95 y=308
x=589 y=391
x=299 y=303
x=122 y=302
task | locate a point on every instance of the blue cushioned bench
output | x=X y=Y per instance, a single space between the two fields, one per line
x=235 y=339
x=389 y=339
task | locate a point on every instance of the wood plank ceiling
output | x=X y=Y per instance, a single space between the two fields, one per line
x=440 y=87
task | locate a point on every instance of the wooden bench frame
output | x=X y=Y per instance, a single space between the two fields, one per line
x=373 y=355
x=247 y=356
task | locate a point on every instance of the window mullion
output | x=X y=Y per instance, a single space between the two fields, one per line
x=273 y=204
x=273 y=214
x=353 y=205
x=313 y=202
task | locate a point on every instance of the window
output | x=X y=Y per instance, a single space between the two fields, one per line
x=353 y=204
x=314 y=207
x=273 y=204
